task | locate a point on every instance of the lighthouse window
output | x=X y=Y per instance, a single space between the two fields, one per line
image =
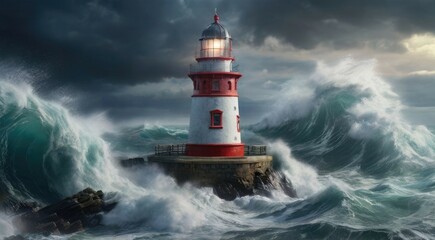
x=216 y=118
x=215 y=85
x=213 y=47
x=229 y=85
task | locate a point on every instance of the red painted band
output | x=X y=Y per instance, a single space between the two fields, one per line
x=215 y=150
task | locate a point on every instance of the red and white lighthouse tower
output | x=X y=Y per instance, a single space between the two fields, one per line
x=214 y=155
x=214 y=129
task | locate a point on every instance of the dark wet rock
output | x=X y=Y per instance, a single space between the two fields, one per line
x=273 y=180
x=263 y=184
x=23 y=207
x=72 y=214
x=230 y=190
x=226 y=191
x=14 y=205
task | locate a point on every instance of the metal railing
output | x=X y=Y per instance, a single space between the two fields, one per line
x=196 y=68
x=177 y=149
x=180 y=149
x=252 y=150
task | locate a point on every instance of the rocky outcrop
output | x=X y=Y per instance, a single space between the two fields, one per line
x=261 y=184
x=69 y=215
x=252 y=175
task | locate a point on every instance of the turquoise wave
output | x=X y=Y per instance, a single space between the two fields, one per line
x=44 y=154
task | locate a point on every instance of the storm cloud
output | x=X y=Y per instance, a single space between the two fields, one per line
x=339 y=23
x=122 y=42
x=100 y=50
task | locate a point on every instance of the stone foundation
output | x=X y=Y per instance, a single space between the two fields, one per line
x=208 y=171
x=229 y=177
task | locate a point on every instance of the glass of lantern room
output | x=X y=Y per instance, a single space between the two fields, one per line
x=215 y=42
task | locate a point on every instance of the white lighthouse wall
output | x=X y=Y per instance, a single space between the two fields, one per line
x=213 y=65
x=199 y=131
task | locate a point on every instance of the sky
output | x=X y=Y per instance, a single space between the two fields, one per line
x=129 y=59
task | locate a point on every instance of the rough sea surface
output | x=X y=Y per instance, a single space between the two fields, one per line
x=361 y=171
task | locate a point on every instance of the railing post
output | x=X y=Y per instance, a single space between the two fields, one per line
x=255 y=150
x=170 y=149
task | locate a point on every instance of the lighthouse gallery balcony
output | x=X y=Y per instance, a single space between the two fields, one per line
x=201 y=67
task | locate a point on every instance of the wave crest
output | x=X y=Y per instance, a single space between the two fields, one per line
x=348 y=118
x=45 y=154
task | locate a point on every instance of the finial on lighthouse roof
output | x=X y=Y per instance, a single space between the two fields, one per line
x=216 y=16
x=215 y=30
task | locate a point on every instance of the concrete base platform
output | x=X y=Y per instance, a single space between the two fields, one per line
x=211 y=171
x=230 y=177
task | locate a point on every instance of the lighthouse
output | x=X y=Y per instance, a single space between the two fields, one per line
x=214 y=155
x=214 y=128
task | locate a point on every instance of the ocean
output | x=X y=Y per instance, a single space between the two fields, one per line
x=360 y=169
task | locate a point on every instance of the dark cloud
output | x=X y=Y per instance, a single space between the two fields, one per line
x=93 y=49
x=127 y=42
x=123 y=42
x=338 y=23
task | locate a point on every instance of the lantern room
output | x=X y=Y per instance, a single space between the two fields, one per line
x=215 y=41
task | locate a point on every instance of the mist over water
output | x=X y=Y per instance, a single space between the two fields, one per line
x=360 y=170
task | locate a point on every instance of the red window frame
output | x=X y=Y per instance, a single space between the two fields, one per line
x=213 y=113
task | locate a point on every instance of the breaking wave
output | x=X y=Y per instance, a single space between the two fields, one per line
x=45 y=154
x=349 y=119
x=360 y=170
x=345 y=122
